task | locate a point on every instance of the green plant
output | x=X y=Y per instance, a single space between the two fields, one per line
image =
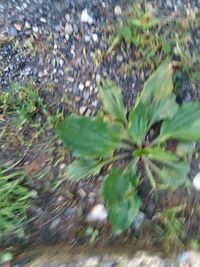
x=154 y=38
x=156 y=136
x=170 y=227
x=14 y=201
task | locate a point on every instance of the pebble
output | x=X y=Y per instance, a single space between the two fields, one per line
x=62 y=166
x=97 y=214
x=117 y=10
x=109 y=263
x=43 y=20
x=87 y=38
x=95 y=37
x=139 y=219
x=196 y=181
x=81 y=192
x=18 y=27
x=81 y=86
x=68 y=28
x=70 y=79
x=87 y=83
x=13 y=31
x=35 y=29
x=91 y=262
x=54 y=223
x=86 y=18
x=27 y=25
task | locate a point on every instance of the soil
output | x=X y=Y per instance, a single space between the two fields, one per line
x=51 y=46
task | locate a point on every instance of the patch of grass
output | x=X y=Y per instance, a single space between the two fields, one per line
x=14 y=200
x=170 y=228
x=154 y=38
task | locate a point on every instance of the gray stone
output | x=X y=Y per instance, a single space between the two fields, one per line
x=68 y=28
x=108 y=263
x=139 y=219
x=54 y=224
x=13 y=31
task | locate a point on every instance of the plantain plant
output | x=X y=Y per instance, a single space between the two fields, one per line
x=157 y=136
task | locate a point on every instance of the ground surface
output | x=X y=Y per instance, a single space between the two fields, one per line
x=64 y=57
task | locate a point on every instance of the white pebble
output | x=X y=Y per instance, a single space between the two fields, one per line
x=87 y=83
x=86 y=18
x=196 y=182
x=118 y=10
x=81 y=86
x=98 y=213
x=95 y=37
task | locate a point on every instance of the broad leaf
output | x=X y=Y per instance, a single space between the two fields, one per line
x=159 y=85
x=87 y=137
x=121 y=199
x=184 y=125
x=174 y=176
x=83 y=168
x=162 y=109
x=159 y=154
x=171 y=175
x=112 y=100
x=138 y=122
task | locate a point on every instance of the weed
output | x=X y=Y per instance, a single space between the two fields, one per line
x=14 y=201
x=158 y=134
x=157 y=38
x=170 y=228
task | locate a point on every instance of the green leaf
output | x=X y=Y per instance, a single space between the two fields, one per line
x=171 y=175
x=184 y=125
x=159 y=154
x=159 y=85
x=87 y=137
x=83 y=168
x=121 y=199
x=175 y=175
x=112 y=99
x=126 y=33
x=162 y=109
x=138 y=122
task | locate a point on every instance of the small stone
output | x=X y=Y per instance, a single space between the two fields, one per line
x=67 y=17
x=139 y=219
x=117 y=10
x=91 y=262
x=27 y=71
x=68 y=28
x=109 y=263
x=81 y=193
x=81 y=86
x=87 y=38
x=61 y=62
x=98 y=213
x=62 y=166
x=82 y=110
x=54 y=224
x=77 y=99
x=86 y=18
x=27 y=25
x=43 y=20
x=70 y=79
x=87 y=83
x=35 y=29
x=18 y=27
x=13 y=31
x=196 y=182
x=95 y=37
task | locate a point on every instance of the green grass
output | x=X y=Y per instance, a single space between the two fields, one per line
x=154 y=38
x=14 y=200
